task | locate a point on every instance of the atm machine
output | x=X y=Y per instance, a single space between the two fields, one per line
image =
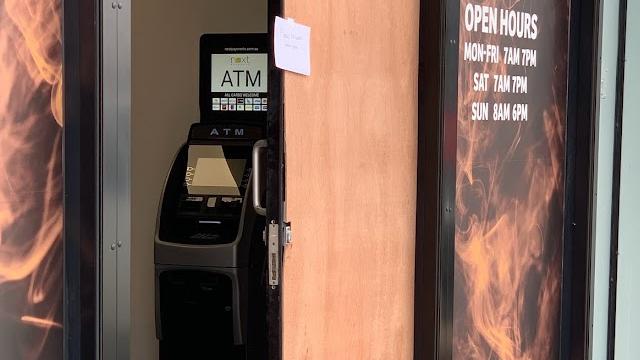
x=209 y=247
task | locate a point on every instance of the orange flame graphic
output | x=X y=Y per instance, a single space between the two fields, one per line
x=509 y=201
x=30 y=179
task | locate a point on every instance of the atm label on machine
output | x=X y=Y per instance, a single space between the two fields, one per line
x=239 y=73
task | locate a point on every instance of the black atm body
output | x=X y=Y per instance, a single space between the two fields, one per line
x=208 y=244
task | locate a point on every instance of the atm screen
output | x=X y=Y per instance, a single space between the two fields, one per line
x=212 y=172
x=234 y=71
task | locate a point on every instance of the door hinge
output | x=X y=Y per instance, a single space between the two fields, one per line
x=288 y=237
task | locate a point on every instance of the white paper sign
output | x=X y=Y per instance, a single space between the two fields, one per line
x=291 y=46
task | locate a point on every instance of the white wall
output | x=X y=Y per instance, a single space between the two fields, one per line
x=608 y=72
x=628 y=296
x=165 y=66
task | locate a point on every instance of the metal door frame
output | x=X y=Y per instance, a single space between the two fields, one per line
x=275 y=194
x=96 y=65
x=97 y=169
x=115 y=176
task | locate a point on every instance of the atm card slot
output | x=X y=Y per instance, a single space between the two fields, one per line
x=191 y=204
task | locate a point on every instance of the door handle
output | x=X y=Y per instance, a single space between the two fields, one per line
x=257 y=202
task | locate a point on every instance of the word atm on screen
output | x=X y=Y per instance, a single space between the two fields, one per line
x=209 y=249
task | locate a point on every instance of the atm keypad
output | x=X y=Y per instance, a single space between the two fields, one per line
x=191 y=203
x=218 y=206
x=232 y=200
x=230 y=203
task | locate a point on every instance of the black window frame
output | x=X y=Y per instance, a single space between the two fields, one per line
x=81 y=178
x=435 y=223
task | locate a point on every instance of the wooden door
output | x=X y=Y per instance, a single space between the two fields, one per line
x=350 y=182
